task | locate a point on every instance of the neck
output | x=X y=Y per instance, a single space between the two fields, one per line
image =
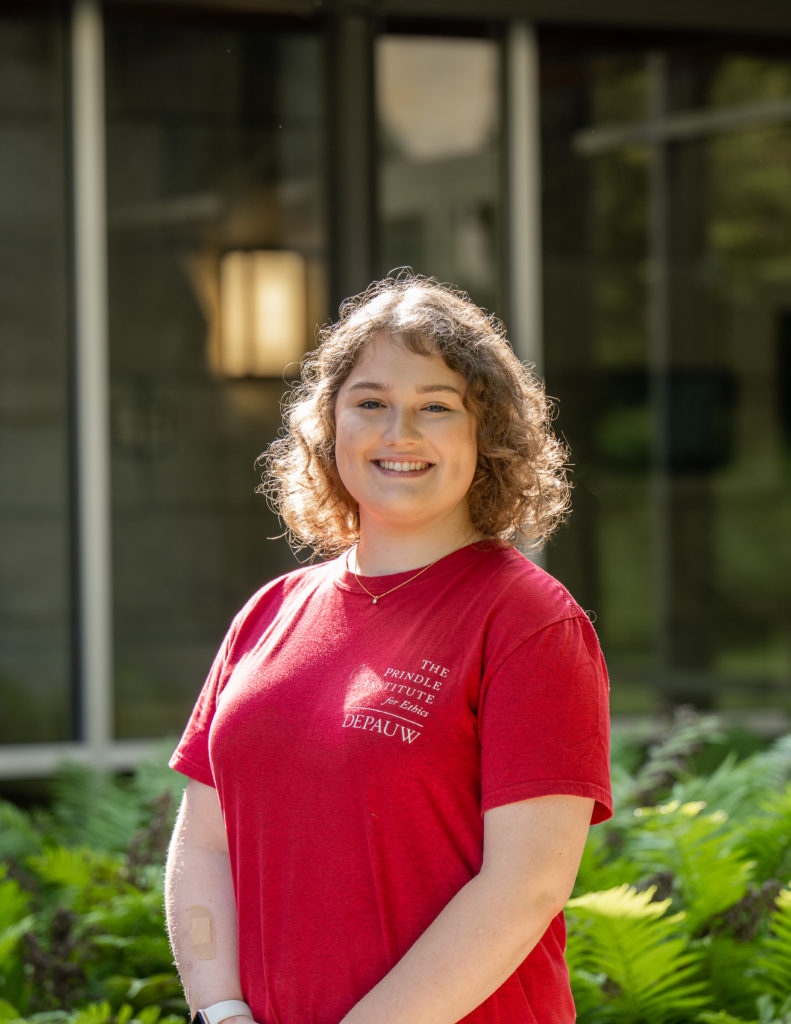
x=381 y=554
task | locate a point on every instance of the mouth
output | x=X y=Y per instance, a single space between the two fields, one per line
x=401 y=465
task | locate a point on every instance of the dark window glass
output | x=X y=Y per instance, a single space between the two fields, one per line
x=667 y=271
x=35 y=565
x=215 y=170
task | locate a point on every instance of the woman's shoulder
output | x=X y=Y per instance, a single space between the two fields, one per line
x=519 y=590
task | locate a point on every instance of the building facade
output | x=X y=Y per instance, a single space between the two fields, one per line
x=187 y=189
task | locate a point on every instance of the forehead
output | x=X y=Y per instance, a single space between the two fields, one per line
x=392 y=353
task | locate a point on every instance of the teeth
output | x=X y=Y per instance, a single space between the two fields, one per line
x=403 y=467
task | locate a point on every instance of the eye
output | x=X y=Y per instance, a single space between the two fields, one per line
x=436 y=407
x=370 y=403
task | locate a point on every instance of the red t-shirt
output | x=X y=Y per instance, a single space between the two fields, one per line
x=355 y=747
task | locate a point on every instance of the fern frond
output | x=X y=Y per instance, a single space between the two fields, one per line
x=766 y=834
x=131 y=912
x=8 y=1012
x=622 y=934
x=734 y=786
x=85 y=877
x=774 y=959
x=599 y=868
x=769 y=1014
x=729 y=966
x=18 y=836
x=95 y=1013
x=667 y=759
x=775 y=762
x=721 y=1017
x=587 y=991
x=709 y=872
x=14 y=901
x=95 y=809
x=10 y=937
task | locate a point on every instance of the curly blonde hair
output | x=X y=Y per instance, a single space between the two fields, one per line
x=519 y=492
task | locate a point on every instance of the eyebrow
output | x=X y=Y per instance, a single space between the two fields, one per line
x=373 y=385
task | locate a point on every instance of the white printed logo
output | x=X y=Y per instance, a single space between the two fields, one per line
x=395 y=704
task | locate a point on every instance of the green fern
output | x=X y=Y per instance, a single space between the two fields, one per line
x=93 y=809
x=130 y=912
x=699 y=851
x=767 y=834
x=776 y=761
x=599 y=868
x=728 y=965
x=15 y=921
x=669 y=758
x=88 y=875
x=737 y=787
x=721 y=1017
x=774 y=960
x=18 y=836
x=651 y=974
x=14 y=901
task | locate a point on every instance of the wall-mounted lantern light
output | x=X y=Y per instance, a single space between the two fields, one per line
x=262 y=312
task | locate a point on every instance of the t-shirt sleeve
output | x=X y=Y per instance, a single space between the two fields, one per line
x=191 y=756
x=544 y=720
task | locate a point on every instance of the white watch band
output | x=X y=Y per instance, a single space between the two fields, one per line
x=218 y=1012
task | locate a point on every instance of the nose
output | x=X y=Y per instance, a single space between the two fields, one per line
x=401 y=428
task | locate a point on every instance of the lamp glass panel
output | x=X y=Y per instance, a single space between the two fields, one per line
x=236 y=327
x=279 y=322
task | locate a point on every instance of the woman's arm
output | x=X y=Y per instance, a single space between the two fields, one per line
x=199 y=901
x=532 y=851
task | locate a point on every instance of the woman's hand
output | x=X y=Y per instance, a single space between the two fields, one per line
x=199 y=903
x=532 y=851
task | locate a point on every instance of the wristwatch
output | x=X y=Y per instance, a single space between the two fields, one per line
x=218 y=1012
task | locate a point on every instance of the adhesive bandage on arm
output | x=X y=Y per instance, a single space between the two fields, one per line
x=202 y=936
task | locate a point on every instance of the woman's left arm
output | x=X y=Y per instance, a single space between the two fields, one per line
x=531 y=855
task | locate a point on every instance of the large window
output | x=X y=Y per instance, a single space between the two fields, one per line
x=36 y=656
x=667 y=268
x=665 y=218
x=439 y=119
x=215 y=166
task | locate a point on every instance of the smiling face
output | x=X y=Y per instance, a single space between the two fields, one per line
x=405 y=443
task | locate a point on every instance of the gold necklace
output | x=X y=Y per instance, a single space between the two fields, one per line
x=378 y=597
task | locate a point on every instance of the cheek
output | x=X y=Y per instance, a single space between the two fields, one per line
x=347 y=444
x=347 y=436
x=471 y=447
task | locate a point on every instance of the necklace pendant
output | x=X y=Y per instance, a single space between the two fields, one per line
x=375 y=600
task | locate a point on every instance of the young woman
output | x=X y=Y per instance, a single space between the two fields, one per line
x=398 y=752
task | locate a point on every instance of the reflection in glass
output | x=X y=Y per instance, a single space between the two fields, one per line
x=670 y=232
x=261 y=326
x=228 y=162
x=438 y=106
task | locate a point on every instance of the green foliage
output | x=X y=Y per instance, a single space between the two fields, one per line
x=775 y=957
x=682 y=909
x=627 y=938
x=694 y=849
x=681 y=913
x=82 y=932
